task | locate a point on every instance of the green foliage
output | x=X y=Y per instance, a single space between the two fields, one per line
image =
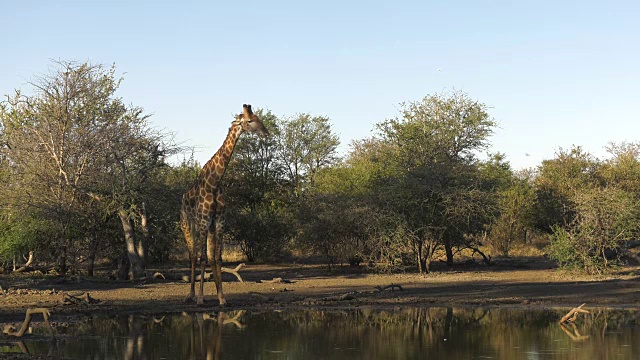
x=259 y=214
x=78 y=155
x=622 y=170
x=605 y=217
x=79 y=167
x=263 y=230
x=435 y=182
x=18 y=236
x=306 y=144
x=558 y=181
x=414 y=187
x=163 y=200
x=516 y=208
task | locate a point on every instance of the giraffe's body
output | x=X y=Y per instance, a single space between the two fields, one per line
x=203 y=205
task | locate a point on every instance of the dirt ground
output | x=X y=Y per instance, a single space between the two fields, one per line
x=512 y=283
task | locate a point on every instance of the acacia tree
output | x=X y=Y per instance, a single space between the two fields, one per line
x=433 y=175
x=515 y=198
x=557 y=183
x=258 y=213
x=305 y=145
x=414 y=188
x=589 y=206
x=54 y=138
x=337 y=215
x=131 y=164
x=264 y=173
x=70 y=142
x=622 y=169
x=604 y=218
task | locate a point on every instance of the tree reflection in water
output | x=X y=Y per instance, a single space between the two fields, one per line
x=410 y=333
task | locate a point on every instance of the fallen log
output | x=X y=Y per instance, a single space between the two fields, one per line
x=234 y=271
x=207 y=275
x=261 y=296
x=275 y=281
x=10 y=330
x=82 y=299
x=392 y=286
x=572 y=315
x=26 y=265
x=343 y=297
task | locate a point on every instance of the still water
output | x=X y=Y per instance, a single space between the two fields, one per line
x=403 y=333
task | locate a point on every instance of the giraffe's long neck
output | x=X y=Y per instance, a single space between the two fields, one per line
x=215 y=168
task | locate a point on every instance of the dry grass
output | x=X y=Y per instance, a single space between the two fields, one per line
x=526 y=250
x=233 y=253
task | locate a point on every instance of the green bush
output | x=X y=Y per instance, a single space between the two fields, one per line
x=605 y=218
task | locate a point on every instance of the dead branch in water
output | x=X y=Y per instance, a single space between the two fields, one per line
x=234 y=320
x=10 y=330
x=572 y=315
x=392 y=286
x=575 y=336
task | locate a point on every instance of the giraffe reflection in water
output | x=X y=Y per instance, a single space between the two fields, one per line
x=205 y=333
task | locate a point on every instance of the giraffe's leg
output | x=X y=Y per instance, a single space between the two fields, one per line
x=186 y=230
x=203 y=230
x=214 y=246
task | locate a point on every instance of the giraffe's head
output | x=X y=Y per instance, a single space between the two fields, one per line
x=250 y=122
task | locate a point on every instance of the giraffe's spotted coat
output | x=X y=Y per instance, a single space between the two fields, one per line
x=203 y=204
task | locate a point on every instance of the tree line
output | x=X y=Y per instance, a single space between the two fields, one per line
x=87 y=178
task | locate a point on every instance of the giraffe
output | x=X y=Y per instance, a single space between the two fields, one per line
x=203 y=204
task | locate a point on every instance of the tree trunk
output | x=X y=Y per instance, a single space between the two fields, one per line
x=62 y=261
x=93 y=249
x=420 y=258
x=449 y=250
x=137 y=266
x=424 y=270
x=123 y=267
x=144 y=242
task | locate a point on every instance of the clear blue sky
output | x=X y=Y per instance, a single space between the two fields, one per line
x=555 y=73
